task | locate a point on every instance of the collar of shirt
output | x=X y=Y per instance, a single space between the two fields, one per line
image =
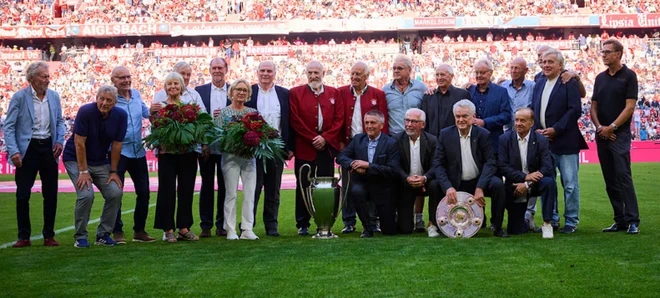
x=512 y=85
x=526 y=138
x=393 y=84
x=485 y=91
x=361 y=93
x=437 y=90
x=315 y=92
x=376 y=139
x=266 y=90
x=34 y=93
x=214 y=87
x=468 y=135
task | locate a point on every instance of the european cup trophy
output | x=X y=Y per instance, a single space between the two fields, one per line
x=323 y=199
x=460 y=220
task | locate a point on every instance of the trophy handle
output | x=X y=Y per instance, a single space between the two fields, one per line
x=306 y=192
x=344 y=194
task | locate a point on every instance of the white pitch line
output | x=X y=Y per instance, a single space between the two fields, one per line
x=70 y=228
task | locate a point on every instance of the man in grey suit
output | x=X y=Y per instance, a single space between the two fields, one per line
x=34 y=134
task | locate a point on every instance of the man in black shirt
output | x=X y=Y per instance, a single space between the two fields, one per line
x=613 y=103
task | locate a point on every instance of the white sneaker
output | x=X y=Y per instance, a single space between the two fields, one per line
x=164 y=236
x=249 y=235
x=433 y=231
x=546 y=228
x=231 y=235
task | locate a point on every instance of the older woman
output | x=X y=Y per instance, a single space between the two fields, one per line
x=173 y=168
x=234 y=167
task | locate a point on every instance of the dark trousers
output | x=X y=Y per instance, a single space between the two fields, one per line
x=137 y=168
x=546 y=188
x=270 y=178
x=175 y=169
x=363 y=192
x=348 y=212
x=615 y=163
x=405 y=205
x=323 y=166
x=208 y=170
x=494 y=190
x=38 y=159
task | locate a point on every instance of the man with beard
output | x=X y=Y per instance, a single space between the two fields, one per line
x=359 y=98
x=317 y=118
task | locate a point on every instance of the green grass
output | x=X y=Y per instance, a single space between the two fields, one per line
x=9 y=177
x=588 y=263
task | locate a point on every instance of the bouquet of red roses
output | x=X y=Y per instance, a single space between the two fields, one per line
x=250 y=136
x=180 y=127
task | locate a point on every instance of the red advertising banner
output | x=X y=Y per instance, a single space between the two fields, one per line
x=630 y=20
x=229 y=28
x=565 y=21
x=321 y=49
x=438 y=22
x=105 y=30
x=26 y=32
x=163 y=52
x=342 y=25
x=9 y=55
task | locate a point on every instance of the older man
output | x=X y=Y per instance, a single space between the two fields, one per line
x=464 y=161
x=214 y=96
x=402 y=93
x=438 y=105
x=566 y=75
x=559 y=107
x=272 y=102
x=417 y=149
x=34 y=134
x=133 y=156
x=519 y=89
x=317 y=118
x=359 y=98
x=99 y=126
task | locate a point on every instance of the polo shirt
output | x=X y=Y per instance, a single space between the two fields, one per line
x=611 y=93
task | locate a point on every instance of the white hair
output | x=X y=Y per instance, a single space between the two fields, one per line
x=268 y=62
x=179 y=65
x=405 y=59
x=367 y=70
x=485 y=62
x=315 y=63
x=465 y=103
x=449 y=69
x=558 y=55
x=422 y=114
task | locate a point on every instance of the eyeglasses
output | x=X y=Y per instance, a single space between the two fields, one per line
x=412 y=121
x=241 y=90
x=607 y=52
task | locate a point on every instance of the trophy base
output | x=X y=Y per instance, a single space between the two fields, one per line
x=325 y=235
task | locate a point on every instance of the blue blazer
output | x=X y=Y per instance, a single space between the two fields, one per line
x=283 y=96
x=20 y=120
x=562 y=113
x=539 y=157
x=384 y=168
x=497 y=111
x=205 y=92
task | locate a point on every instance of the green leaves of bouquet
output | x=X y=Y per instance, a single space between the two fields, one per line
x=250 y=136
x=180 y=127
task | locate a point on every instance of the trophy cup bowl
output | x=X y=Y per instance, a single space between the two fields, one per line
x=323 y=199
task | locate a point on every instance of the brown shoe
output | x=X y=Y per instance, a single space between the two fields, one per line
x=22 y=243
x=220 y=232
x=50 y=242
x=142 y=237
x=120 y=238
x=206 y=233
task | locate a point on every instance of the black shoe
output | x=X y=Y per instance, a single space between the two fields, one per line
x=568 y=230
x=348 y=229
x=500 y=233
x=377 y=230
x=367 y=234
x=273 y=233
x=615 y=227
x=483 y=223
x=304 y=231
x=633 y=229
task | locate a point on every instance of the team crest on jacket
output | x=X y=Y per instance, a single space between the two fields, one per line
x=332 y=101
x=373 y=102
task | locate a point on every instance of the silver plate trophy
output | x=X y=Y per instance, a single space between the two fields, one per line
x=461 y=220
x=323 y=199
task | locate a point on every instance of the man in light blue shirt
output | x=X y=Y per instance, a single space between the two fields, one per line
x=133 y=156
x=520 y=90
x=402 y=94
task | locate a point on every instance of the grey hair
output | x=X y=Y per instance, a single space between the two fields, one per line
x=422 y=114
x=238 y=81
x=367 y=69
x=464 y=103
x=224 y=61
x=107 y=89
x=485 y=62
x=558 y=55
x=179 y=65
x=405 y=59
x=174 y=76
x=449 y=69
x=266 y=62
x=376 y=113
x=543 y=48
x=32 y=70
x=315 y=63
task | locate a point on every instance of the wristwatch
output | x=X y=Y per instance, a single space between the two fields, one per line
x=84 y=172
x=614 y=126
x=113 y=172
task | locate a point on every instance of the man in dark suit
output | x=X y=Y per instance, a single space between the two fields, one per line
x=374 y=161
x=526 y=162
x=464 y=161
x=214 y=96
x=417 y=149
x=559 y=107
x=491 y=101
x=272 y=102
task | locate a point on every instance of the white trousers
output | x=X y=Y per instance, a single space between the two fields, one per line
x=234 y=167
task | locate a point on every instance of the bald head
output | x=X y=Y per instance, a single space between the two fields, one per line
x=266 y=74
x=518 y=68
x=121 y=79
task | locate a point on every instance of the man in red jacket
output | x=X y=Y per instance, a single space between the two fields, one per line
x=317 y=118
x=359 y=98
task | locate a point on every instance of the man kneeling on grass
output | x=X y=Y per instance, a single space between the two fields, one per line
x=99 y=127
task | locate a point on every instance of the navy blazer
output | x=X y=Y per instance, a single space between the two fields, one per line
x=539 y=157
x=448 y=163
x=562 y=113
x=205 y=92
x=283 y=96
x=427 y=144
x=385 y=164
x=497 y=111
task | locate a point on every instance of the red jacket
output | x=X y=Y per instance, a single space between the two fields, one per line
x=372 y=99
x=304 y=106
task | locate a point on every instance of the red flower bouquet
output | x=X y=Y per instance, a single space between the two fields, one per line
x=180 y=127
x=251 y=136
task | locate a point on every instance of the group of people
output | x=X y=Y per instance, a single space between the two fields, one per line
x=399 y=144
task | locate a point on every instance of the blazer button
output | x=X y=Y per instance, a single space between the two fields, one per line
x=316 y=117
x=316 y=127
x=351 y=108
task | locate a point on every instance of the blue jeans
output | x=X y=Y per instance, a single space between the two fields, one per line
x=568 y=166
